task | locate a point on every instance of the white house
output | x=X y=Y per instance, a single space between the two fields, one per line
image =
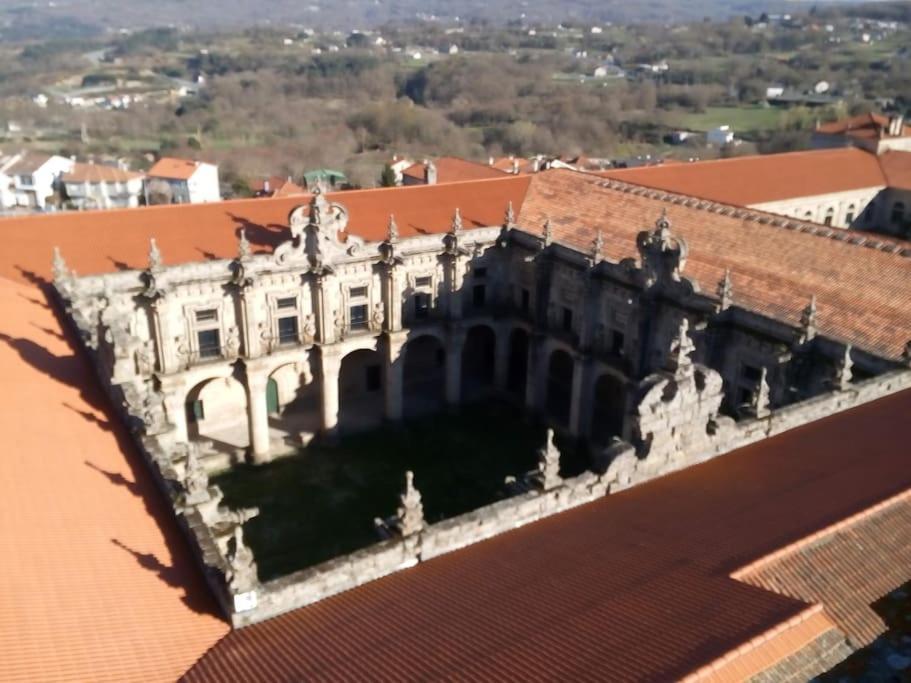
x=182 y=181
x=96 y=186
x=29 y=178
x=722 y=135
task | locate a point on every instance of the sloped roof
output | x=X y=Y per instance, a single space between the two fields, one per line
x=29 y=162
x=897 y=169
x=99 y=173
x=453 y=170
x=174 y=169
x=775 y=270
x=751 y=180
x=635 y=586
x=868 y=126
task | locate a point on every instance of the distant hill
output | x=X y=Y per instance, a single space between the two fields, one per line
x=21 y=19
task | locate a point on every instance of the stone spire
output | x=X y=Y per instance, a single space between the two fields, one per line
x=456 y=223
x=808 y=319
x=548 y=474
x=844 y=369
x=243 y=246
x=548 y=233
x=59 y=268
x=241 y=573
x=726 y=290
x=510 y=220
x=597 y=247
x=392 y=232
x=760 y=401
x=410 y=515
x=663 y=254
x=195 y=478
x=155 y=261
x=682 y=347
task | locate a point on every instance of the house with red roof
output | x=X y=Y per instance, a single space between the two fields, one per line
x=182 y=181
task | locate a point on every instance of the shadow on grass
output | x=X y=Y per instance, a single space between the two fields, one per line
x=322 y=502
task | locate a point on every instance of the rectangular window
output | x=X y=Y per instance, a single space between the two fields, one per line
x=288 y=302
x=479 y=296
x=287 y=330
x=358 y=292
x=849 y=218
x=426 y=281
x=374 y=378
x=526 y=300
x=208 y=315
x=359 y=317
x=421 y=306
x=567 y=320
x=209 y=343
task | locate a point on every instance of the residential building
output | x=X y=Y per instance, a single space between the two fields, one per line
x=720 y=136
x=98 y=186
x=447 y=170
x=30 y=178
x=182 y=181
x=873 y=132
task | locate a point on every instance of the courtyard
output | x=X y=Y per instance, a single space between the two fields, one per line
x=321 y=503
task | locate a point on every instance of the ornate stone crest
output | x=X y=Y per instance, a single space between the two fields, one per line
x=663 y=254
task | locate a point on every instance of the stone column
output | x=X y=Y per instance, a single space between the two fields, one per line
x=331 y=364
x=395 y=375
x=454 y=369
x=501 y=360
x=258 y=416
x=577 y=422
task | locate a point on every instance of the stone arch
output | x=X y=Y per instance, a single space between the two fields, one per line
x=517 y=371
x=360 y=391
x=216 y=410
x=559 y=386
x=478 y=361
x=608 y=408
x=424 y=375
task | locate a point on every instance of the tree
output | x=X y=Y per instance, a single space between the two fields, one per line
x=387 y=177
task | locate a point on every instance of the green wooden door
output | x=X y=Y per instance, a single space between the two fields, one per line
x=272 y=396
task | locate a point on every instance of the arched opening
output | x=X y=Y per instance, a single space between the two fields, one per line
x=360 y=391
x=559 y=387
x=216 y=411
x=517 y=375
x=478 y=358
x=424 y=379
x=608 y=409
x=830 y=216
x=850 y=215
x=293 y=395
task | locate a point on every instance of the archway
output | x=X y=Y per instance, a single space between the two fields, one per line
x=478 y=358
x=424 y=378
x=293 y=395
x=608 y=409
x=559 y=387
x=216 y=411
x=360 y=391
x=517 y=375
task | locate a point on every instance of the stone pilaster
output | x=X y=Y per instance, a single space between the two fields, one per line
x=330 y=366
x=395 y=375
x=454 y=349
x=176 y=409
x=578 y=425
x=258 y=416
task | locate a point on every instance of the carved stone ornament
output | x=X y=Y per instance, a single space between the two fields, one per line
x=232 y=342
x=663 y=254
x=844 y=372
x=309 y=326
x=760 y=401
x=548 y=473
x=241 y=573
x=548 y=233
x=510 y=217
x=156 y=263
x=379 y=316
x=62 y=274
x=195 y=480
x=317 y=233
x=726 y=290
x=682 y=347
x=808 y=319
x=410 y=514
x=244 y=252
x=597 y=248
x=145 y=359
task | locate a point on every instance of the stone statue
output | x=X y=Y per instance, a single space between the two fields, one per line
x=309 y=327
x=61 y=273
x=243 y=246
x=760 y=400
x=510 y=219
x=232 y=342
x=156 y=263
x=241 y=573
x=663 y=254
x=844 y=370
x=548 y=233
x=457 y=223
x=726 y=290
x=682 y=347
x=410 y=515
x=338 y=321
x=392 y=235
x=195 y=478
x=379 y=316
x=548 y=474
x=808 y=319
x=145 y=358
x=597 y=247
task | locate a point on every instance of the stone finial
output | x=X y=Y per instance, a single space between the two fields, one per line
x=195 y=478
x=59 y=268
x=410 y=515
x=510 y=219
x=808 y=319
x=598 y=247
x=844 y=369
x=548 y=473
x=548 y=233
x=682 y=347
x=241 y=573
x=662 y=253
x=456 y=223
x=726 y=290
x=244 y=250
x=155 y=260
x=760 y=400
x=392 y=231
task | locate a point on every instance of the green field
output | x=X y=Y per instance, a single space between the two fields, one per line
x=741 y=119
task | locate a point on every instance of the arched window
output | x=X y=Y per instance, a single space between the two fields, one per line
x=808 y=215
x=830 y=216
x=898 y=212
x=849 y=216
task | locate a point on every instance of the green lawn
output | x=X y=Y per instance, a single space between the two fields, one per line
x=321 y=503
x=741 y=119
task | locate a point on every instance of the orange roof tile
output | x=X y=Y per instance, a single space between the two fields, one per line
x=868 y=126
x=775 y=270
x=897 y=169
x=99 y=173
x=453 y=170
x=750 y=180
x=635 y=586
x=174 y=169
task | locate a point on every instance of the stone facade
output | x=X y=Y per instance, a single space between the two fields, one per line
x=221 y=361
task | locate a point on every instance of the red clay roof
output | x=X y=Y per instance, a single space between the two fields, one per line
x=635 y=586
x=864 y=126
x=750 y=180
x=174 y=169
x=98 y=173
x=897 y=168
x=775 y=270
x=453 y=170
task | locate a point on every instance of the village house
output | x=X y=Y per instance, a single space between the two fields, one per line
x=98 y=186
x=28 y=179
x=182 y=181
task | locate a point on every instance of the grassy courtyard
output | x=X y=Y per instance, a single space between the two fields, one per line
x=322 y=502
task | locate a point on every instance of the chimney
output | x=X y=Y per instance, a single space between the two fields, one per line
x=896 y=125
x=430 y=172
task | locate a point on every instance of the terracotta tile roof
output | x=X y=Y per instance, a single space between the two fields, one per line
x=29 y=162
x=868 y=126
x=508 y=164
x=897 y=169
x=278 y=186
x=99 y=242
x=97 y=581
x=750 y=180
x=775 y=270
x=453 y=170
x=635 y=586
x=99 y=173
x=174 y=169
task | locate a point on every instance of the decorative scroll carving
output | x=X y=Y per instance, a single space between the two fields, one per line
x=241 y=574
